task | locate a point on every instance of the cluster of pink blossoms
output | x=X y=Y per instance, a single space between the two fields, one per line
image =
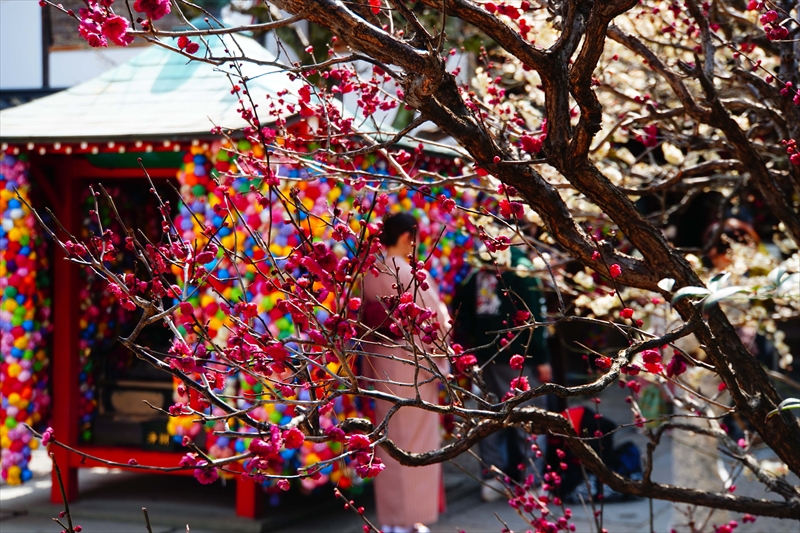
x=463 y=362
x=47 y=436
x=791 y=147
x=513 y=13
x=99 y=24
x=775 y=32
x=652 y=361
x=154 y=9
x=773 y=22
x=650 y=136
x=733 y=524
x=203 y=472
x=366 y=464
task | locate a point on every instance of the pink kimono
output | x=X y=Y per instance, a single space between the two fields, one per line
x=406 y=495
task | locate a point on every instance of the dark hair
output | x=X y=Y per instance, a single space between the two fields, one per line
x=733 y=230
x=395 y=225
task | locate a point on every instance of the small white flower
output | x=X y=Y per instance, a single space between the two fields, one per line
x=791 y=286
x=666 y=284
x=583 y=279
x=776 y=468
x=694 y=261
x=672 y=154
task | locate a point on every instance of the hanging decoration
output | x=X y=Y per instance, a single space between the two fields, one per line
x=102 y=319
x=25 y=308
x=209 y=178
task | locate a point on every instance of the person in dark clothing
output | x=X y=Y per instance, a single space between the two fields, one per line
x=573 y=484
x=490 y=300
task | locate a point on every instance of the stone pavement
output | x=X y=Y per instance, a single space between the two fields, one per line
x=112 y=501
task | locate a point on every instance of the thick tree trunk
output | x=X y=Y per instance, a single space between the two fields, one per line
x=434 y=93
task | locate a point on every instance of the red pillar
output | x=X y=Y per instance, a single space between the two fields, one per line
x=248 y=498
x=65 y=360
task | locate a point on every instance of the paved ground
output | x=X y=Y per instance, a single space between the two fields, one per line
x=111 y=502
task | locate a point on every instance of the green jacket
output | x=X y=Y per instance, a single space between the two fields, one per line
x=486 y=303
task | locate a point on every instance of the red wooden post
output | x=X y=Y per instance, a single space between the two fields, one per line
x=65 y=357
x=66 y=289
x=248 y=498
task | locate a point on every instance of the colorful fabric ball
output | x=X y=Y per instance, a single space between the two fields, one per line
x=24 y=321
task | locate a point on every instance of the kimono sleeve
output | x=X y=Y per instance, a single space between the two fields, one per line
x=431 y=298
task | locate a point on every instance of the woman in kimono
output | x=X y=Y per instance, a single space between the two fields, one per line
x=406 y=497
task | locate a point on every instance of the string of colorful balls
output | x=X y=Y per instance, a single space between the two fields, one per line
x=102 y=320
x=25 y=308
x=447 y=264
x=201 y=194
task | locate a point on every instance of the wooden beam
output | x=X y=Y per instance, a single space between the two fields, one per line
x=121 y=454
x=66 y=333
x=249 y=501
x=85 y=170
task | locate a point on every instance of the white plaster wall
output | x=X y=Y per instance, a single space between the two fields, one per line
x=70 y=67
x=283 y=52
x=20 y=44
x=232 y=18
x=380 y=120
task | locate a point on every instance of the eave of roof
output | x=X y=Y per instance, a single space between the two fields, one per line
x=157 y=94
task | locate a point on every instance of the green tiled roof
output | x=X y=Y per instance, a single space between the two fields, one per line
x=156 y=94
